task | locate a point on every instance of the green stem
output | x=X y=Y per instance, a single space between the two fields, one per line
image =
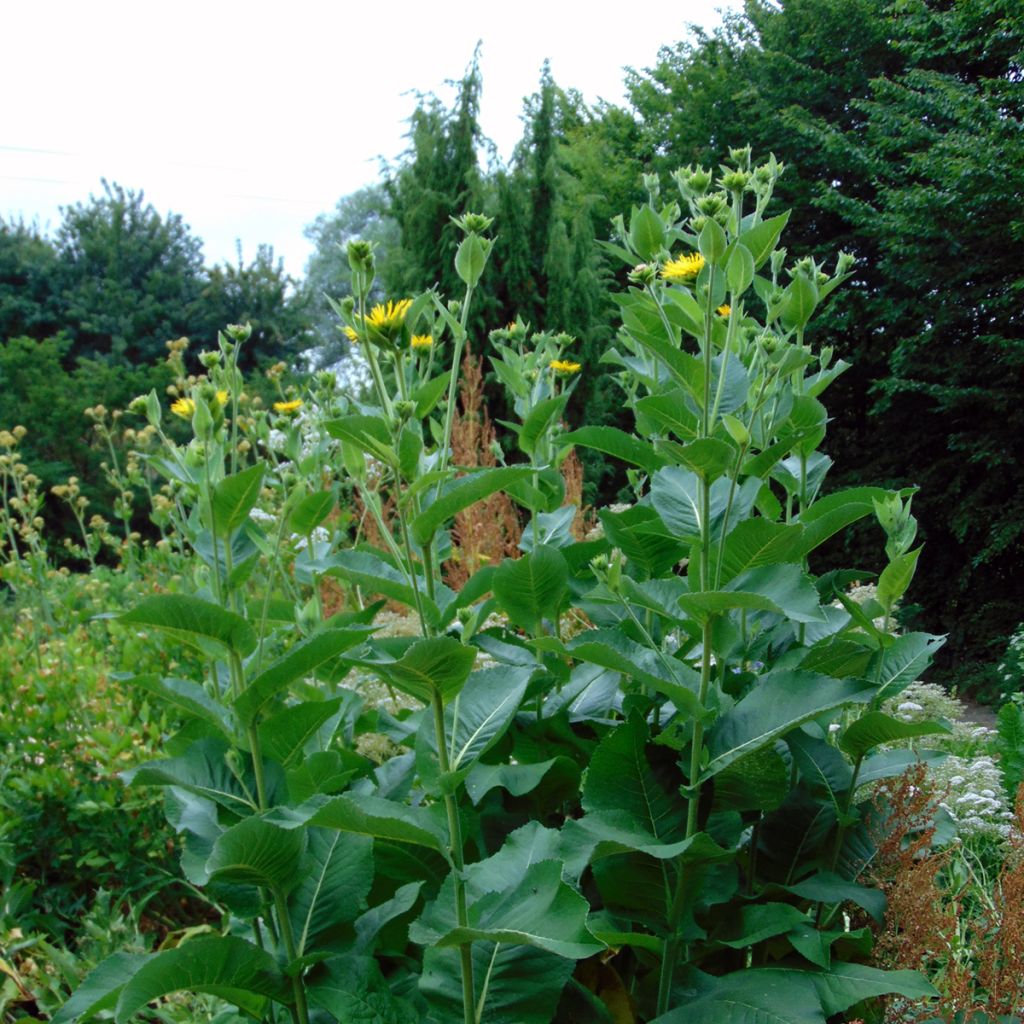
x=458 y=864
x=449 y=413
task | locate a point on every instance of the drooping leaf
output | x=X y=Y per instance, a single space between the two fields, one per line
x=899 y=664
x=461 y=494
x=537 y=909
x=778 y=703
x=301 y=660
x=192 y=621
x=224 y=966
x=533 y=588
x=542 y=415
x=616 y=443
x=373 y=575
x=435 y=665
x=367 y=816
x=255 y=852
x=876 y=727
x=100 y=988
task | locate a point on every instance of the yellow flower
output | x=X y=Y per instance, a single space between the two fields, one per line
x=222 y=397
x=565 y=366
x=183 y=407
x=421 y=341
x=683 y=268
x=724 y=310
x=350 y=333
x=390 y=317
x=288 y=407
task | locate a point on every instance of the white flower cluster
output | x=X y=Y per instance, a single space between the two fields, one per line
x=924 y=701
x=974 y=799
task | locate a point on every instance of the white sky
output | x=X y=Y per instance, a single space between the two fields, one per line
x=250 y=118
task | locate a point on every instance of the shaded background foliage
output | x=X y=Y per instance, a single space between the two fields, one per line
x=901 y=123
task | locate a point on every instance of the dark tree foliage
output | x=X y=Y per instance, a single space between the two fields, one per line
x=28 y=283
x=901 y=125
x=438 y=178
x=945 y=145
x=129 y=279
x=261 y=294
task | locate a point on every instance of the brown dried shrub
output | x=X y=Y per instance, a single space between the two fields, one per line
x=921 y=930
x=488 y=531
x=1000 y=933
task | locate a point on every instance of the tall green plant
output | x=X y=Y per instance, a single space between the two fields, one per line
x=638 y=756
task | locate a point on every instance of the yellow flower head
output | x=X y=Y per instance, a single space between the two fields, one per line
x=288 y=407
x=421 y=341
x=683 y=268
x=565 y=366
x=724 y=310
x=222 y=397
x=389 y=318
x=351 y=333
x=183 y=407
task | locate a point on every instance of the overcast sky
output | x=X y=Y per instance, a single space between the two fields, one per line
x=249 y=119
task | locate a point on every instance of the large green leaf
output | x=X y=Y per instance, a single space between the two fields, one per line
x=888 y=764
x=514 y=984
x=255 y=852
x=478 y=717
x=755 y=923
x=438 y=664
x=782 y=589
x=758 y=781
x=876 y=727
x=537 y=909
x=533 y=588
x=616 y=443
x=301 y=660
x=367 y=433
x=828 y=887
x=352 y=989
x=234 y=498
x=896 y=577
x=601 y=834
x=460 y=494
x=561 y=773
x=610 y=649
x=203 y=770
x=373 y=575
x=754 y=543
x=186 y=697
x=368 y=816
x=369 y=925
x=284 y=736
x=620 y=778
x=829 y=515
x=100 y=988
x=822 y=767
x=748 y=997
x=778 y=703
x=338 y=873
x=224 y=966
x=646 y=232
x=898 y=665
x=193 y=621
x=669 y=412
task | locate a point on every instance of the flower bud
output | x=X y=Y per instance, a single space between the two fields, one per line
x=735 y=181
x=238 y=333
x=644 y=274
x=740 y=157
x=476 y=223
x=209 y=359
